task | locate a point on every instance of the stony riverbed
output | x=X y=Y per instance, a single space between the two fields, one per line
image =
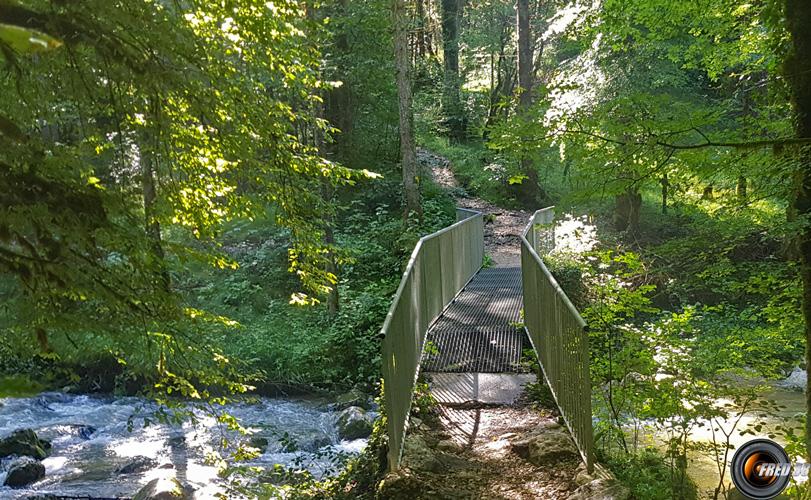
x=111 y=447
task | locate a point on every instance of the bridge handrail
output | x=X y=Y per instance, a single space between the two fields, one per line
x=440 y=266
x=558 y=333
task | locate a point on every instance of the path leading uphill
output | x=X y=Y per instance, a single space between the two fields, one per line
x=502 y=227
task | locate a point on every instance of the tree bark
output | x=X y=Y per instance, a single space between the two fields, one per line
x=420 y=29
x=524 y=55
x=408 y=153
x=528 y=192
x=626 y=211
x=741 y=188
x=798 y=73
x=452 y=108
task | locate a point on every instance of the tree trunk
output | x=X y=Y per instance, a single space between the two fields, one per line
x=626 y=211
x=150 y=196
x=524 y=55
x=420 y=49
x=504 y=77
x=408 y=153
x=740 y=189
x=452 y=109
x=665 y=185
x=332 y=268
x=798 y=74
x=528 y=192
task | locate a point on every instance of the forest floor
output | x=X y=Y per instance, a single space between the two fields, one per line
x=516 y=451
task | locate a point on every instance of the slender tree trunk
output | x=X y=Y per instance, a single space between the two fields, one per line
x=333 y=299
x=338 y=111
x=529 y=191
x=665 y=186
x=502 y=86
x=408 y=153
x=798 y=73
x=152 y=226
x=420 y=29
x=452 y=108
x=741 y=188
x=524 y=55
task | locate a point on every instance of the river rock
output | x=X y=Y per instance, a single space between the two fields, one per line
x=543 y=448
x=136 y=465
x=163 y=489
x=258 y=442
x=401 y=485
x=354 y=423
x=24 y=442
x=601 y=489
x=418 y=455
x=315 y=444
x=85 y=431
x=348 y=399
x=795 y=381
x=24 y=471
x=177 y=441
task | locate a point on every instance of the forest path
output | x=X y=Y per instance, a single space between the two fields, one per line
x=475 y=447
x=502 y=228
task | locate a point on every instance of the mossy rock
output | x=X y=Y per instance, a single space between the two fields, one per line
x=24 y=442
x=354 y=423
x=24 y=471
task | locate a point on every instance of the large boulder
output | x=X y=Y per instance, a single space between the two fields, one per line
x=24 y=442
x=601 y=489
x=163 y=489
x=351 y=398
x=24 y=471
x=418 y=455
x=354 y=423
x=543 y=448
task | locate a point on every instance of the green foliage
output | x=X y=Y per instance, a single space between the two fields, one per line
x=125 y=151
x=647 y=475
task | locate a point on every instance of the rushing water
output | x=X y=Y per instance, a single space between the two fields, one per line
x=85 y=463
x=704 y=470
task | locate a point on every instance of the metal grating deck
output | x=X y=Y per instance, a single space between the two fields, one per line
x=477 y=331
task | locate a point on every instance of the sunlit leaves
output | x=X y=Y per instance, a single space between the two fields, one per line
x=26 y=41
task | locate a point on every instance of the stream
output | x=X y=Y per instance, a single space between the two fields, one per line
x=704 y=470
x=95 y=436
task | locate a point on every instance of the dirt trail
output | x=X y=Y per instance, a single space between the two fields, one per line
x=502 y=227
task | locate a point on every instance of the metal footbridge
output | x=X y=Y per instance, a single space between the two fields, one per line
x=451 y=316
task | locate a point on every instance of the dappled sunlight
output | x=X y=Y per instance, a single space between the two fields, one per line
x=574 y=234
